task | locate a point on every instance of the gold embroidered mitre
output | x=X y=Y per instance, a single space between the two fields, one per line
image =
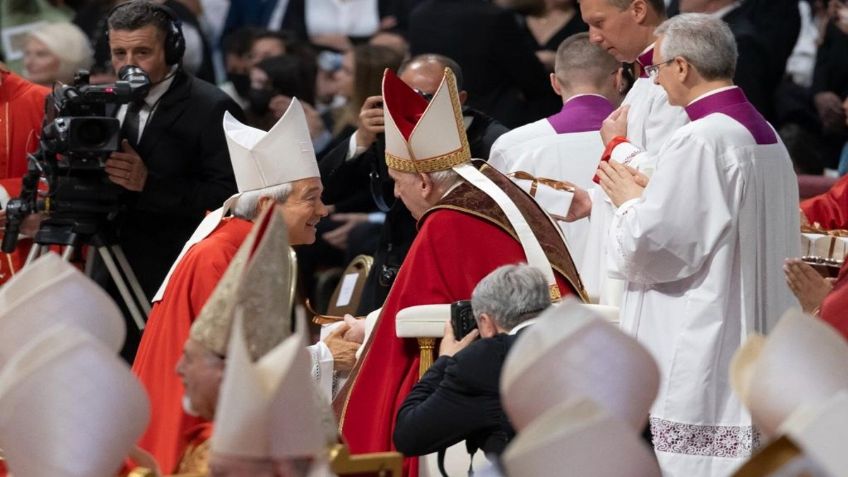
x=421 y=136
x=256 y=286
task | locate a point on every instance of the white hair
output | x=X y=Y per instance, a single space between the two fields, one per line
x=248 y=204
x=444 y=179
x=68 y=43
x=511 y=294
x=705 y=42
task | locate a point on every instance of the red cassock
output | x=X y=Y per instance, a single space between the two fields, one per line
x=21 y=113
x=834 y=309
x=451 y=254
x=167 y=329
x=831 y=208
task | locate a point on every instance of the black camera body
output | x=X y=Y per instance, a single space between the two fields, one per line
x=462 y=318
x=78 y=135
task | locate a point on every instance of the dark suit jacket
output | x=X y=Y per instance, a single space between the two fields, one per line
x=755 y=68
x=189 y=173
x=502 y=75
x=457 y=399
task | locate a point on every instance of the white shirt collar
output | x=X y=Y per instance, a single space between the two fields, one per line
x=159 y=89
x=522 y=325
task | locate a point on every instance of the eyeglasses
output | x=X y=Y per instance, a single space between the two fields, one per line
x=654 y=70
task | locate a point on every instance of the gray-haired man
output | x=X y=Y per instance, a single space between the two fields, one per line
x=458 y=398
x=702 y=246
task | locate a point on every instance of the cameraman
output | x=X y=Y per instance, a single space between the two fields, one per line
x=459 y=396
x=173 y=162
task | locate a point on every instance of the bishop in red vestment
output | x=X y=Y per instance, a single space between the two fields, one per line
x=467 y=228
x=830 y=209
x=277 y=166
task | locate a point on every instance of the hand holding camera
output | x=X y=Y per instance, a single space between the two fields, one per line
x=370 y=121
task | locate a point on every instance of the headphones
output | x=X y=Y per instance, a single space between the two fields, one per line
x=175 y=44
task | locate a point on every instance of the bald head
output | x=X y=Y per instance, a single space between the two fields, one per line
x=582 y=64
x=425 y=72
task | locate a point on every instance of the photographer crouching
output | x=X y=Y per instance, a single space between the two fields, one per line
x=458 y=398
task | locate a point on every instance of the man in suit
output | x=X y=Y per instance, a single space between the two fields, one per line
x=458 y=398
x=173 y=162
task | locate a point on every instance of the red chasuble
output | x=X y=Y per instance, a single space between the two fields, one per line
x=831 y=208
x=166 y=332
x=451 y=254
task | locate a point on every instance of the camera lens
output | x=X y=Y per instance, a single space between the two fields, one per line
x=92 y=133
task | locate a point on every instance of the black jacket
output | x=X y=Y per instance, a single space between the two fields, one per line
x=189 y=173
x=458 y=399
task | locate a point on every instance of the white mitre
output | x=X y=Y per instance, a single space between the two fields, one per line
x=269 y=409
x=821 y=431
x=260 y=160
x=51 y=291
x=424 y=137
x=802 y=362
x=578 y=438
x=69 y=406
x=572 y=353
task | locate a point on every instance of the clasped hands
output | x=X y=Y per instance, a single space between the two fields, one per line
x=344 y=341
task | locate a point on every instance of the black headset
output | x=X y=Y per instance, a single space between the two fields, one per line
x=174 y=40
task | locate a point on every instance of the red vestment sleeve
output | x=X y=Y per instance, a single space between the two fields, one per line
x=451 y=254
x=831 y=208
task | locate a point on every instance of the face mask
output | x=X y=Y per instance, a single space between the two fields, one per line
x=241 y=82
x=259 y=100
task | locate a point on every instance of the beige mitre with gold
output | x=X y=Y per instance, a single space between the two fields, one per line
x=69 y=407
x=578 y=438
x=49 y=292
x=256 y=286
x=424 y=137
x=572 y=353
x=270 y=409
x=802 y=362
x=260 y=160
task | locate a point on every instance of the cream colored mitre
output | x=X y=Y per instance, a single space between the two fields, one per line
x=578 y=438
x=51 y=291
x=69 y=406
x=269 y=409
x=260 y=160
x=572 y=353
x=257 y=285
x=803 y=361
x=821 y=431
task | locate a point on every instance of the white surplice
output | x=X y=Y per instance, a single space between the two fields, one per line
x=702 y=253
x=539 y=150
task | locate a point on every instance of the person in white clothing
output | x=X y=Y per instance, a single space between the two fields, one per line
x=701 y=246
x=566 y=147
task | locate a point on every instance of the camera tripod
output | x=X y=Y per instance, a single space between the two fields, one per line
x=72 y=234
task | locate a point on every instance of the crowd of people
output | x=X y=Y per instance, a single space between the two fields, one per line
x=619 y=187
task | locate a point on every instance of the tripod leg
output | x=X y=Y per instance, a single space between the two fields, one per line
x=132 y=306
x=68 y=253
x=34 y=252
x=131 y=278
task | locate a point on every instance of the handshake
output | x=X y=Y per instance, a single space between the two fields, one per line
x=344 y=341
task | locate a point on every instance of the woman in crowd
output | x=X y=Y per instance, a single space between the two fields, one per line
x=54 y=52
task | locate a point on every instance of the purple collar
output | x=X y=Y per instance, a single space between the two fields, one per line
x=581 y=114
x=645 y=59
x=733 y=103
